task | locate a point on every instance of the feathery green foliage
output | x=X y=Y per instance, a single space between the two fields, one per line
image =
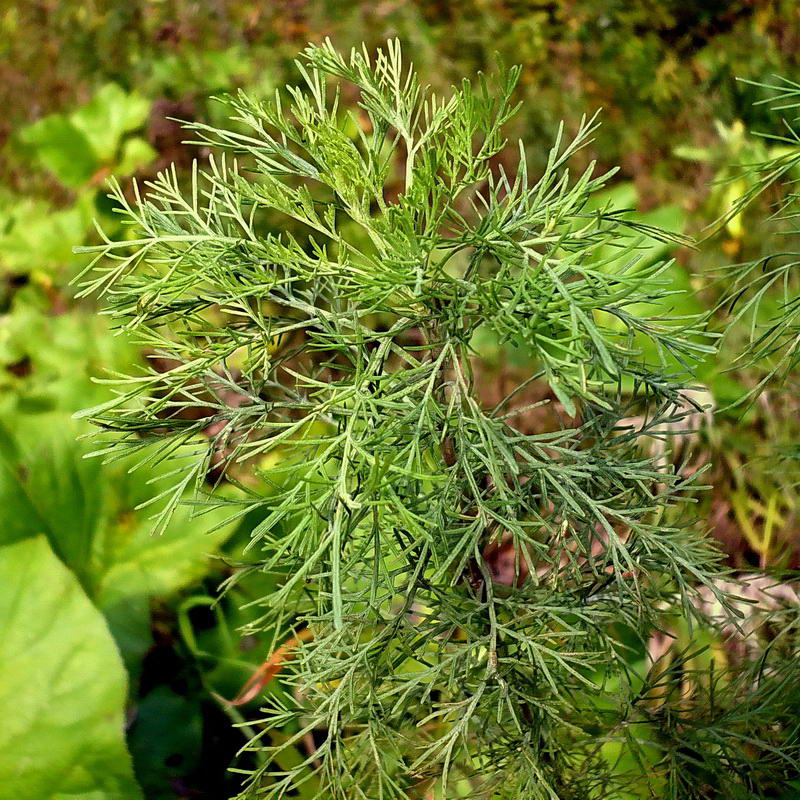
x=764 y=294
x=331 y=337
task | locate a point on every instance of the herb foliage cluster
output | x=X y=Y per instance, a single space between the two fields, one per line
x=334 y=332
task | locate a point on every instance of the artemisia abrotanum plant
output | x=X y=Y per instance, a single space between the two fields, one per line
x=324 y=342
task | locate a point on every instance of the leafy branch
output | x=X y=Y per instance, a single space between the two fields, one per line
x=321 y=342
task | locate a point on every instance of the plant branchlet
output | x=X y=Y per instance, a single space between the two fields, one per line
x=475 y=589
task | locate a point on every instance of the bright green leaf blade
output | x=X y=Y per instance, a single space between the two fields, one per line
x=111 y=114
x=136 y=153
x=62 y=686
x=62 y=148
x=37 y=238
x=87 y=510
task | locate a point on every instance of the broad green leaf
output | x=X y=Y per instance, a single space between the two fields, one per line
x=61 y=147
x=88 y=512
x=86 y=509
x=38 y=238
x=111 y=114
x=62 y=686
x=74 y=147
x=63 y=353
x=136 y=153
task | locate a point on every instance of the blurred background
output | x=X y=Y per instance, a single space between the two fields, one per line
x=117 y=661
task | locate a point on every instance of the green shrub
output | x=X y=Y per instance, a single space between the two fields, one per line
x=481 y=601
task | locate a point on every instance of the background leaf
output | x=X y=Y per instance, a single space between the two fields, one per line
x=88 y=512
x=65 y=739
x=110 y=114
x=61 y=147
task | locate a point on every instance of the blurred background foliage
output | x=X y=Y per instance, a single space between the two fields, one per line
x=90 y=90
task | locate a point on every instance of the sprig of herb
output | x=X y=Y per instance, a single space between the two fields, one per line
x=330 y=331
